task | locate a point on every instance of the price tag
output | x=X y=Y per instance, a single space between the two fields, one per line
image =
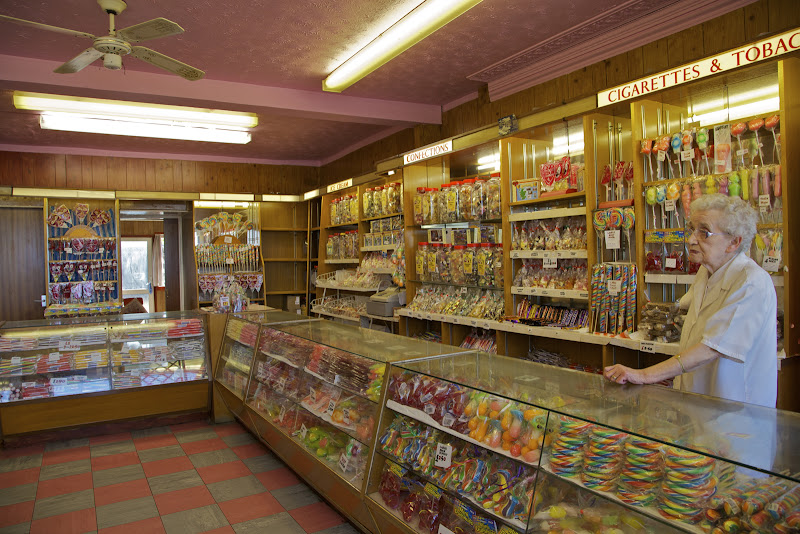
x=448 y=420
x=671 y=263
x=614 y=287
x=515 y=254
x=687 y=155
x=96 y=356
x=444 y=455
x=346 y=416
x=16 y=360
x=101 y=250
x=771 y=264
x=647 y=346
x=303 y=431
x=68 y=250
x=550 y=263
x=559 y=254
x=224 y=301
x=282 y=414
x=344 y=461
x=280 y=385
x=313 y=395
x=227 y=239
x=331 y=407
x=763 y=201
x=612 y=239
x=741 y=152
x=661 y=155
x=58 y=381
x=669 y=205
x=229 y=261
x=68 y=345
x=54 y=356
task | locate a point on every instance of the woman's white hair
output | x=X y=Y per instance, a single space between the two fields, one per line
x=737 y=217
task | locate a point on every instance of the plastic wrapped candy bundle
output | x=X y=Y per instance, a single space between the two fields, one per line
x=688 y=483
x=641 y=473
x=662 y=322
x=567 y=450
x=602 y=459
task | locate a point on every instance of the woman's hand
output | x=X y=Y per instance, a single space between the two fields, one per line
x=625 y=375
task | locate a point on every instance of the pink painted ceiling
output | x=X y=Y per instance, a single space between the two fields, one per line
x=271 y=57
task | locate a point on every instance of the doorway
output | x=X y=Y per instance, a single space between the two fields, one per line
x=136 y=261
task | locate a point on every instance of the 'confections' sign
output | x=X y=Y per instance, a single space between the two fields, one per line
x=732 y=59
x=428 y=152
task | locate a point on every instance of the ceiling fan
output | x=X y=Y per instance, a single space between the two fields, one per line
x=117 y=43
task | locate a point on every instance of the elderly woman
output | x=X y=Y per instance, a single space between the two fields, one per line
x=728 y=344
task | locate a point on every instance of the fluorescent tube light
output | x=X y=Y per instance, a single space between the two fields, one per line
x=233 y=197
x=311 y=194
x=737 y=112
x=61 y=193
x=71 y=122
x=280 y=198
x=138 y=110
x=405 y=33
x=489 y=159
x=494 y=164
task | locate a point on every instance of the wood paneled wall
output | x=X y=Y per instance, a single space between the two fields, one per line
x=717 y=35
x=132 y=174
x=141 y=228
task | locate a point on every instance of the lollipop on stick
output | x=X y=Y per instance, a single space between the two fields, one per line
x=734 y=184
x=650 y=198
x=628 y=220
x=661 y=196
x=702 y=144
x=647 y=150
x=629 y=179
x=776 y=189
x=738 y=129
x=770 y=124
x=677 y=140
x=619 y=175
x=674 y=193
x=614 y=222
x=754 y=126
x=606 y=181
x=600 y=221
x=687 y=140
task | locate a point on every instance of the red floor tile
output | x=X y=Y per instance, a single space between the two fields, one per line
x=152 y=442
x=206 y=445
x=278 y=478
x=194 y=425
x=110 y=438
x=114 y=460
x=148 y=526
x=220 y=472
x=21 y=451
x=316 y=517
x=18 y=478
x=123 y=491
x=185 y=499
x=167 y=466
x=252 y=507
x=248 y=451
x=229 y=429
x=14 y=514
x=60 y=486
x=66 y=455
x=71 y=523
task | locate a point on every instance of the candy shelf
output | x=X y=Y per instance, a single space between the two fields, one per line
x=378 y=248
x=565 y=254
x=557 y=293
x=587 y=439
x=566 y=196
x=551 y=213
x=348 y=260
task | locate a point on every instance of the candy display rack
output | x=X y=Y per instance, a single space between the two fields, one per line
x=227 y=249
x=82 y=241
x=99 y=369
x=528 y=448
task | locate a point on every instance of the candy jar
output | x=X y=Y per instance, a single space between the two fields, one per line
x=480 y=206
x=452 y=212
x=353 y=208
x=497 y=273
x=483 y=265
x=431 y=201
x=443 y=263
x=441 y=202
x=465 y=200
x=329 y=247
x=366 y=202
x=433 y=263
x=418 y=201
x=456 y=265
x=392 y=198
x=422 y=262
x=493 y=196
x=377 y=202
x=468 y=264
x=333 y=211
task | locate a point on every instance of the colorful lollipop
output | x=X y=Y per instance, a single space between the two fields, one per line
x=738 y=129
x=606 y=180
x=600 y=222
x=687 y=139
x=676 y=141
x=686 y=200
x=661 y=196
x=734 y=185
x=770 y=124
x=628 y=220
x=754 y=126
x=711 y=185
x=650 y=198
x=647 y=150
x=702 y=144
x=674 y=193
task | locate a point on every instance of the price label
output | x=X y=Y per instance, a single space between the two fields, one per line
x=68 y=345
x=444 y=455
x=303 y=431
x=346 y=416
x=647 y=346
x=102 y=250
x=614 y=287
x=612 y=239
x=448 y=420
x=741 y=152
x=515 y=254
x=344 y=461
x=96 y=356
x=54 y=356
x=227 y=239
x=763 y=201
x=669 y=205
x=671 y=263
x=550 y=263
x=280 y=385
x=687 y=155
x=771 y=264
x=661 y=155
x=282 y=414
x=229 y=261
x=58 y=381
x=224 y=301
x=331 y=407
x=16 y=360
x=68 y=250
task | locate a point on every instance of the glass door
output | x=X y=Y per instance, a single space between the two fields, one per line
x=136 y=260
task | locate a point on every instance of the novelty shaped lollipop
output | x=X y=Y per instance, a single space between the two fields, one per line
x=674 y=194
x=738 y=129
x=647 y=150
x=687 y=139
x=661 y=196
x=771 y=123
x=606 y=181
x=650 y=198
x=702 y=144
x=711 y=185
x=677 y=140
x=754 y=126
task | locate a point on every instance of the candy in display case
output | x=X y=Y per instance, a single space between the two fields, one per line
x=528 y=448
x=320 y=384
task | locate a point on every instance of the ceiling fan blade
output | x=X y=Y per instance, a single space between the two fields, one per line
x=152 y=29
x=47 y=27
x=82 y=60
x=167 y=63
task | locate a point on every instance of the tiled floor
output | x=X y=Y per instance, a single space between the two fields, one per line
x=182 y=479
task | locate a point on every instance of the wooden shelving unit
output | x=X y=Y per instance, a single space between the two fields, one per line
x=285 y=251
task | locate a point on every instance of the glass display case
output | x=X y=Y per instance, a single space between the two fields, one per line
x=498 y=443
x=320 y=384
x=58 y=358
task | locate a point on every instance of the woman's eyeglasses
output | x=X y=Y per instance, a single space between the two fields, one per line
x=701 y=233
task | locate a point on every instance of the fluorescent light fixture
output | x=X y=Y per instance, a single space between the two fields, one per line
x=233 y=197
x=61 y=193
x=311 y=194
x=492 y=165
x=405 y=33
x=737 y=112
x=217 y=204
x=489 y=159
x=390 y=173
x=72 y=122
x=280 y=198
x=735 y=98
x=138 y=110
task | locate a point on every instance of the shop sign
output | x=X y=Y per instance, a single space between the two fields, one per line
x=338 y=186
x=724 y=62
x=428 y=152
